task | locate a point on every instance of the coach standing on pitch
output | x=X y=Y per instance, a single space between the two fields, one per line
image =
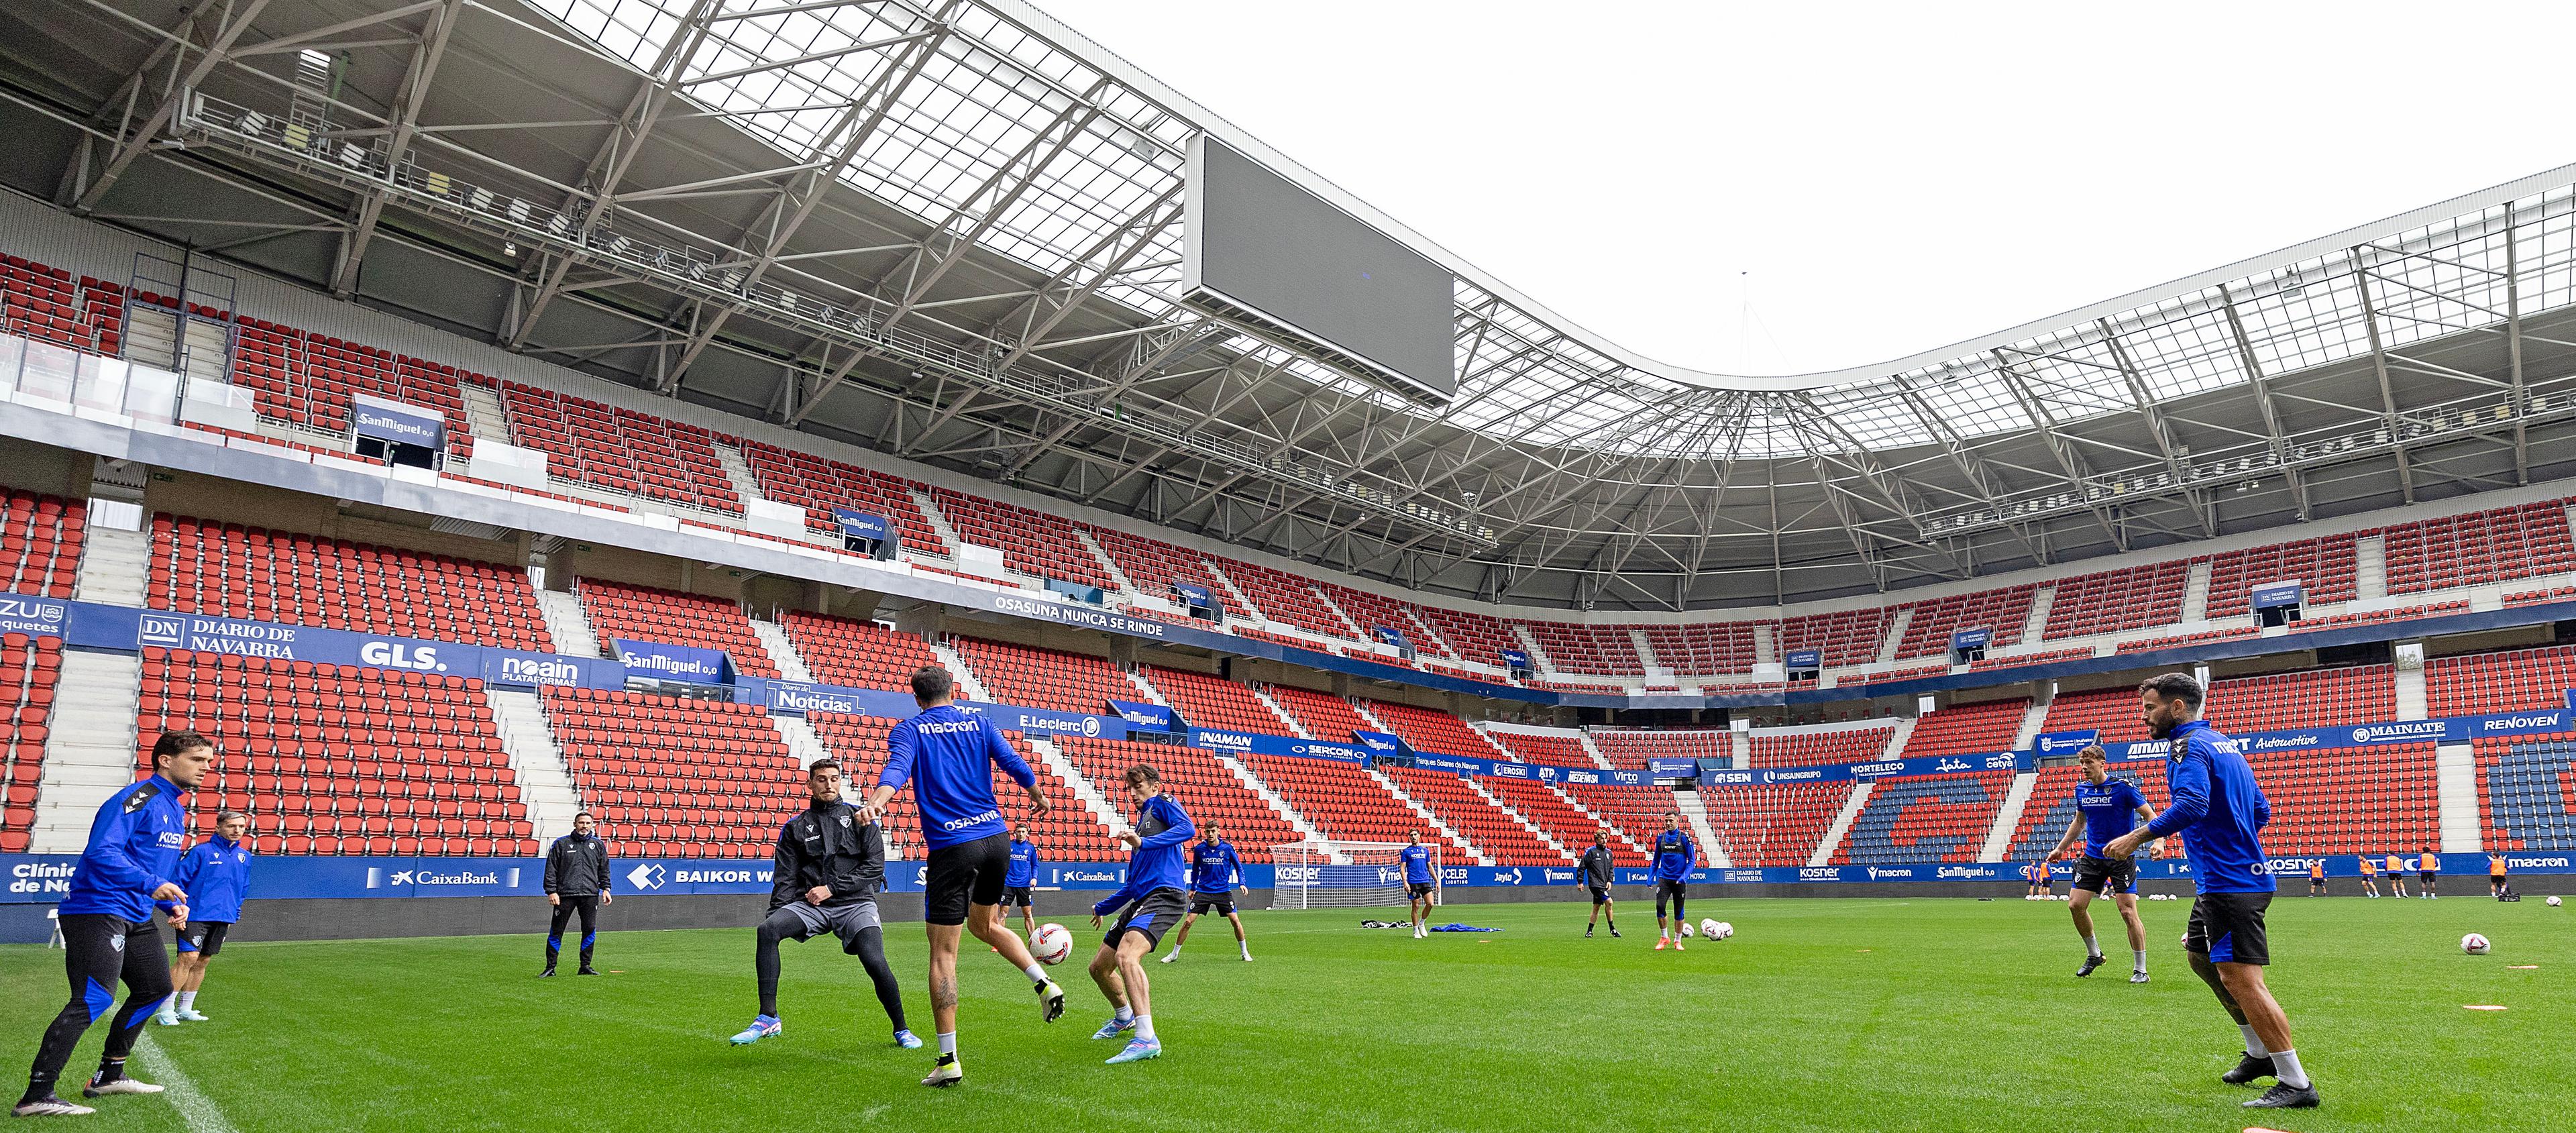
x=576 y=882
x=106 y=922
x=2222 y=810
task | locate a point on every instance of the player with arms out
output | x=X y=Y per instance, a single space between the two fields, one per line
x=106 y=922
x=824 y=877
x=1419 y=885
x=1214 y=869
x=2216 y=799
x=216 y=873
x=1675 y=856
x=1152 y=902
x=2369 y=875
x=1022 y=876
x=1594 y=872
x=2105 y=808
x=948 y=756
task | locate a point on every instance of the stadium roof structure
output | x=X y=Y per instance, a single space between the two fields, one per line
x=950 y=230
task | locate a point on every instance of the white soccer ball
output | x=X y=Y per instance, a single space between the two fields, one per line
x=2553 y=902
x=1686 y=928
x=1708 y=927
x=1051 y=943
x=1725 y=930
x=2474 y=944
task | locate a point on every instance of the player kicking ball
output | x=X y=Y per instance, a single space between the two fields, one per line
x=826 y=872
x=2105 y=808
x=1214 y=869
x=1675 y=857
x=1418 y=885
x=1152 y=897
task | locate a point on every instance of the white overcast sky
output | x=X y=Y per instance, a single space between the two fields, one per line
x=1782 y=188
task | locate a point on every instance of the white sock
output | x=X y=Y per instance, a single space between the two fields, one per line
x=1176 y=950
x=2253 y=1045
x=2285 y=1069
x=2092 y=946
x=948 y=1043
x=1124 y=1014
x=1037 y=974
x=2142 y=959
x=1145 y=1027
x=187 y=1001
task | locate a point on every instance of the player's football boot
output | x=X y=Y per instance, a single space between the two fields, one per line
x=1052 y=999
x=2090 y=963
x=2247 y=1069
x=193 y=1015
x=907 y=1040
x=50 y=1106
x=2137 y=977
x=2286 y=1097
x=98 y=1089
x=1614 y=932
x=1677 y=946
x=168 y=1019
x=1138 y=1050
x=763 y=1027
x=1113 y=1028
x=947 y=1073
x=1663 y=942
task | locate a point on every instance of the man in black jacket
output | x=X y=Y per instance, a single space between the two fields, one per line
x=1595 y=874
x=829 y=866
x=576 y=882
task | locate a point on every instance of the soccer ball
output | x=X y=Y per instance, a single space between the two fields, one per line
x=1051 y=943
x=1686 y=928
x=1708 y=928
x=2553 y=902
x=1724 y=930
x=2474 y=944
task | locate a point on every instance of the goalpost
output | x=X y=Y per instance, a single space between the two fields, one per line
x=1342 y=875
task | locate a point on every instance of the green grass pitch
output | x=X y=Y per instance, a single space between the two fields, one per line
x=1820 y=1014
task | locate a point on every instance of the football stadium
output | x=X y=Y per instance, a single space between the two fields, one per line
x=511 y=505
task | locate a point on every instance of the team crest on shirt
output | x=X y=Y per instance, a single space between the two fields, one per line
x=141 y=797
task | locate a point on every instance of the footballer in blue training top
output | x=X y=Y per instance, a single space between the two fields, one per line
x=1214 y=870
x=1675 y=856
x=1150 y=903
x=1022 y=876
x=1418 y=884
x=948 y=755
x=216 y=874
x=2221 y=810
x=2105 y=808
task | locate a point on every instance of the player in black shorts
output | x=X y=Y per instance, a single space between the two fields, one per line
x=1213 y=872
x=1594 y=873
x=1152 y=901
x=2105 y=808
x=1017 y=883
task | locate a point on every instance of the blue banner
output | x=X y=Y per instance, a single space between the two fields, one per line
x=1621 y=778
x=2048 y=744
x=1803 y=659
x=1148 y=717
x=663 y=661
x=1391 y=636
x=35 y=617
x=399 y=422
x=1673 y=768
x=522 y=668
x=1258 y=743
x=1879 y=769
x=862 y=525
x=796 y=698
x=1382 y=743
x=2275 y=595
x=1971 y=638
x=1515 y=658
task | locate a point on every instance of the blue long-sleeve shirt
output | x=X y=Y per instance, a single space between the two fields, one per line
x=2219 y=808
x=1164 y=829
x=1213 y=866
x=134 y=845
x=216 y=874
x=948 y=755
x=1024 y=865
x=1675 y=856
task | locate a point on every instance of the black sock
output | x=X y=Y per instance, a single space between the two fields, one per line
x=946 y=1059
x=109 y=1070
x=36 y=1091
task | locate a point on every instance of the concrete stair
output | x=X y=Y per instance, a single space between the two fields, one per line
x=1126 y=586
x=738 y=473
x=2195 y=592
x=1144 y=687
x=1084 y=790
x=92 y=749
x=1536 y=831
x=1896 y=627
x=1285 y=720
x=2008 y=819
x=1425 y=814
x=567 y=624
x=2455 y=776
x=484 y=413
x=782 y=652
x=1695 y=813
x=967 y=682
x=1278 y=802
x=938 y=520
x=1842 y=824
x=2369 y=567
x=537 y=765
x=801 y=739
x=115 y=567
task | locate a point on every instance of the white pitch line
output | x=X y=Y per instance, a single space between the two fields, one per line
x=196 y=1108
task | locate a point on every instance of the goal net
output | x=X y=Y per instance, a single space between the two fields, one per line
x=1342 y=875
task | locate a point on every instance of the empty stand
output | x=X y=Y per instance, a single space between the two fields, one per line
x=620 y=449
x=1284 y=597
x=1599 y=650
x=1474 y=637
x=2349 y=800
x=340 y=759
x=1930 y=818
x=1045 y=678
x=1340 y=799
x=2325 y=568
x=1214 y=702
x=644 y=613
x=2480 y=547
x=1374 y=610
x=2051 y=806
x=2527 y=791
x=30 y=667
x=43 y=302
x=229 y=570
x=2111 y=711
x=1571 y=828
x=1323 y=715
x=1844 y=637
x=1153 y=566
x=1632 y=747
x=1722 y=649
x=40 y=544
x=1502 y=839
x=819 y=485
x=2503 y=681
x=1967 y=728
x=1774 y=825
x=680 y=775
x=1032 y=542
x=1429 y=729
x=2308 y=699
x=1802 y=749
x=1208 y=791
x=857 y=654
x=1067 y=830
x=2117 y=600
x=2000 y=612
